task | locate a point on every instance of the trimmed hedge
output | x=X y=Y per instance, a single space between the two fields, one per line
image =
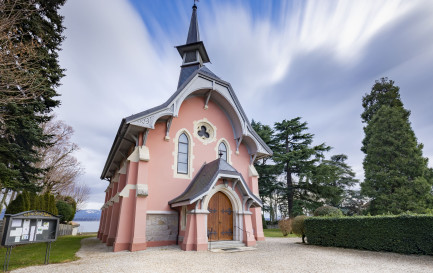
x=402 y=234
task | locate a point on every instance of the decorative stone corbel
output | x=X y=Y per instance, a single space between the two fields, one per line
x=207 y=98
x=238 y=143
x=252 y=171
x=142 y=190
x=167 y=131
x=139 y=153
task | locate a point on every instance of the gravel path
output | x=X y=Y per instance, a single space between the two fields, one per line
x=274 y=255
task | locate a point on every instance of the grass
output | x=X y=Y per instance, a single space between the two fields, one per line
x=62 y=250
x=276 y=232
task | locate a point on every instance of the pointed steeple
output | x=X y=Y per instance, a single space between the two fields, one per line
x=193 y=33
x=193 y=53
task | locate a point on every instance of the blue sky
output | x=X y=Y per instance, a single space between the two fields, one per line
x=313 y=59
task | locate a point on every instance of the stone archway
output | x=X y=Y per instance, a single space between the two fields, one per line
x=220 y=218
x=236 y=207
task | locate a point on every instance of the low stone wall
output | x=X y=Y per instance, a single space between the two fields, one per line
x=161 y=227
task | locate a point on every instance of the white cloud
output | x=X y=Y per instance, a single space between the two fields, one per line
x=315 y=60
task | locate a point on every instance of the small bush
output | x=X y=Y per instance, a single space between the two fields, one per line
x=298 y=226
x=285 y=226
x=65 y=211
x=265 y=226
x=328 y=211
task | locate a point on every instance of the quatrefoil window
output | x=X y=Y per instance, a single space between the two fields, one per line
x=202 y=132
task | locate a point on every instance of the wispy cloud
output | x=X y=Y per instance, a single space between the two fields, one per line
x=314 y=59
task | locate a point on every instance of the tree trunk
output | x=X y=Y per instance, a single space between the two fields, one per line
x=289 y=192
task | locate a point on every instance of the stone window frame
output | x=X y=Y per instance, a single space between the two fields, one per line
x=179 y=153
x=229 y=150
x=190 y=154
x=210 y=128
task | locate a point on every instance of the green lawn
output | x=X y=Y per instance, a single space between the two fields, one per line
x=62 y=250
x=275 y=232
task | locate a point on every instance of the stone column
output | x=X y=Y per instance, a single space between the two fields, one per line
x=196 y=231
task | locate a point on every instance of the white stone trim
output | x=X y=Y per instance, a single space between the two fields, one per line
x=190 y=155
x=211 y=129
x=229 y=150
x=140 y=153
x=238 y=211
x=160 y=212
x=252 y=171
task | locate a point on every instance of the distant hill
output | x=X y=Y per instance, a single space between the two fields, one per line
x=87 y=215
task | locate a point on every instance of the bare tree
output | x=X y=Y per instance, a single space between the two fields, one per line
x=19 y=70
x=79 y=191
x=62 y=169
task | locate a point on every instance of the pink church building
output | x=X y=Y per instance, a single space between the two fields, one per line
x=182 y=172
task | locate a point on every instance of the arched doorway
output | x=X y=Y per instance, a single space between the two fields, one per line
x=220 y=218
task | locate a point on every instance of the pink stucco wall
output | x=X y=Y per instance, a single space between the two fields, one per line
x=127 y=218
x=162 y=185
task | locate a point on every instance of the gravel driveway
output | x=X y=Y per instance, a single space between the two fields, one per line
x=273 y=255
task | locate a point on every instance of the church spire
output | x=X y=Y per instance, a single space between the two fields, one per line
x=193 y=53
x=193 y=33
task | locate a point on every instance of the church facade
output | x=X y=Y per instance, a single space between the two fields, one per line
x=182 y=172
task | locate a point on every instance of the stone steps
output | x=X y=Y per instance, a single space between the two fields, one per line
x=225 y=244
x=228 y=246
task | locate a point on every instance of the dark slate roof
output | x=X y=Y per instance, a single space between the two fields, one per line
x=203 y=180
x=193 y=33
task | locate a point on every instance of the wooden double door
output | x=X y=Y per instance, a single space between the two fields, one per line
x=220 y=218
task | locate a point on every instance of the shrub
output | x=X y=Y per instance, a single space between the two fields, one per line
x=265 y=226
x=65 y=211
x=298 y=226
x=328 y=211
x=407 y=234
x=285 y=226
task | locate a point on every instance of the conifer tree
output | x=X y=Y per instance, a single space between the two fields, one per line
x=17 y=205
x=38 y=25
x=294 y=153
x=397 y=177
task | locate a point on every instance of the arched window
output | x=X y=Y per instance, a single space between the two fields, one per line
x=222 y=151
x=182 y=154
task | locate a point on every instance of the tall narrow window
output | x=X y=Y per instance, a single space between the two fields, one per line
x=222 y=151
x=182 y=154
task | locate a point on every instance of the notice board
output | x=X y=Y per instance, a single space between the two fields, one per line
x=29 y=227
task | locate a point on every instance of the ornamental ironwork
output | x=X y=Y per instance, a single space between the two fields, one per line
x=212 y=210
x=228 y=232
x=229 y=211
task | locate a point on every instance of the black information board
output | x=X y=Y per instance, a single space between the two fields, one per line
x=29 y=227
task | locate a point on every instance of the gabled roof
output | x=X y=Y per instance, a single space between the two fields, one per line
x=207 y=177
x=194 y=79
x=222 y=93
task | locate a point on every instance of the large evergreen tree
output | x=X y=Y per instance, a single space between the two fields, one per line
x=37 y=28
x=295 y=154
x=397 y=177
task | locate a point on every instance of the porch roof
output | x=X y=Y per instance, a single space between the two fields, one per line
x=207 y=177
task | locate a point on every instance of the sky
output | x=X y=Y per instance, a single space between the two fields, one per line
x=284 y=59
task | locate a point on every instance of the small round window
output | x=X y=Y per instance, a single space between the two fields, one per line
x=204 y=131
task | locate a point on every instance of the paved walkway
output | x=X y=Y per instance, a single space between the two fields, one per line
x=274 y=255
